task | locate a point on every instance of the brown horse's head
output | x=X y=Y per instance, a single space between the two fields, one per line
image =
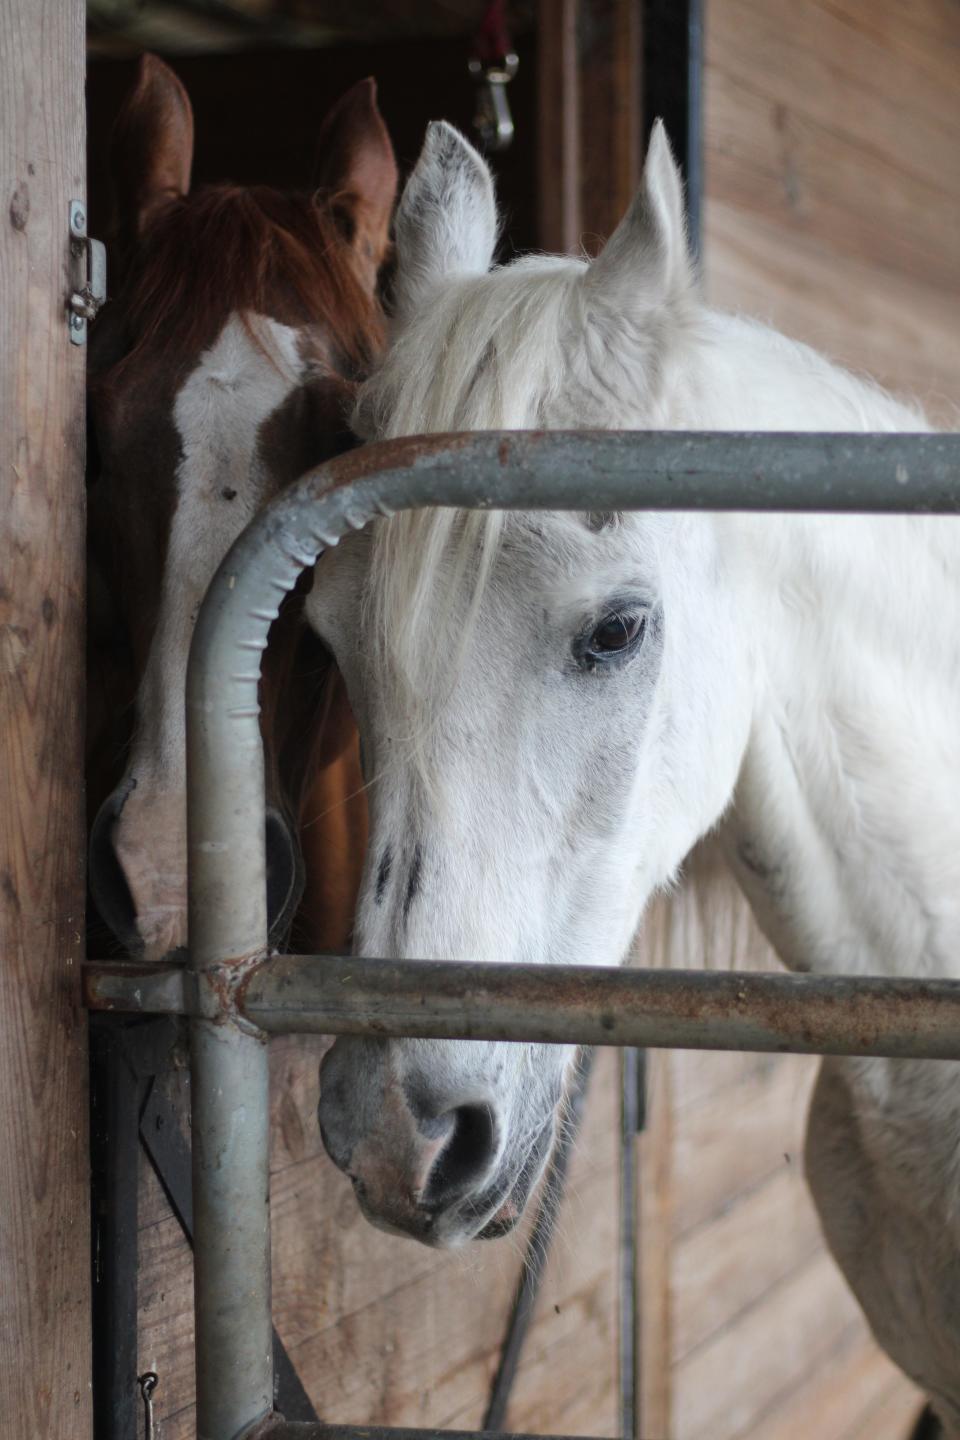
x=223 y=369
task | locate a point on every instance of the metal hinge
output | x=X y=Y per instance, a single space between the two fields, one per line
x=89 y=278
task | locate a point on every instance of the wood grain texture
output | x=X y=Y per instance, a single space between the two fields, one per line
x=832 y=137
x=558 y=126
x=589 y=119
x=610 y=116
x=384 y=1331
x=44 y=1225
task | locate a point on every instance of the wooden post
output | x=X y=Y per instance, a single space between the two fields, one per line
x=44 y=1222
x=590 y=119
x=558 y=122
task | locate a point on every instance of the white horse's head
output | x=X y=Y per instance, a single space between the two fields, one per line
x=551 y=705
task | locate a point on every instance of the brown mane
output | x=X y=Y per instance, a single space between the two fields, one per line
x=229 y=248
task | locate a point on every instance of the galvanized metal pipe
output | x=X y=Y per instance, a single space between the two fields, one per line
x=511 y=470
x=601 y=1005
x=282 y=1430
x=567 y=1004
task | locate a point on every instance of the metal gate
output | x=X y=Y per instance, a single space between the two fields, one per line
x=237 y=994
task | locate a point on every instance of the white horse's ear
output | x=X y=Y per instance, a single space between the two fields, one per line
x=446 y=222
x=646 y=263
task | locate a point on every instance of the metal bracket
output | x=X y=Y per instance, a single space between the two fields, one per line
x=493 y=121
x=89 y=277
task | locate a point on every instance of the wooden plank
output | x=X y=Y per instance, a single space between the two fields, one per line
x=780 y=165
x=739 y=1140
x=610 y=115
x=902 y=330
x=729 y=1264
x=727 y=1385
x=558 y=138
x=831 y=70
x=855 y=1386
x=928 y=29
x=44 y=1217
x=590 y=119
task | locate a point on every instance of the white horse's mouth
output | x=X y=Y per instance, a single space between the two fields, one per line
x=487 y=1216
x=509 y=1211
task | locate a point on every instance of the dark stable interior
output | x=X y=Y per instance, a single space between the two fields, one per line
x=258 y=113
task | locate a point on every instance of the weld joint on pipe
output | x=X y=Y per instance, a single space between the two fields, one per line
x=263 y=1428
x=221 y=992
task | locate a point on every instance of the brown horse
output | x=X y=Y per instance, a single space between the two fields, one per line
x=223 y=369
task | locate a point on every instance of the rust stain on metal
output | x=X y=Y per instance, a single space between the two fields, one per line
x=386 y=458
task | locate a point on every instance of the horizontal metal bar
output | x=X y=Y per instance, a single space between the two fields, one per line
x=626 y=470
x=575 y=1004
x=143 y=989
x=282 y=1430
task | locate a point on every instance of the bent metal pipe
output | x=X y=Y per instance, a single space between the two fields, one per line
x=227 y=912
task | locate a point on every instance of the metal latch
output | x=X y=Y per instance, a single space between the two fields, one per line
x=492 y=119
x=89 y=277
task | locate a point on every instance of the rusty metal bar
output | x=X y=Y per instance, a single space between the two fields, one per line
x=279 y=1429
x=227 y=920
x=572 y=1004
x=615 y=470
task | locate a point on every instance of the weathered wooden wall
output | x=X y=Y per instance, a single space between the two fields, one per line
x=384 y=1331
x=832 y=132
x=44 y=1225
x=832 y=208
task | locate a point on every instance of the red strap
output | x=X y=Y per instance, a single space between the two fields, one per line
x=492 y=41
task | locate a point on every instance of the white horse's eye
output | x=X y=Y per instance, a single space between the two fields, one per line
x=615 y=634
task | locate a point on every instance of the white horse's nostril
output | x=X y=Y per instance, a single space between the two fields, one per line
x=467 y=1157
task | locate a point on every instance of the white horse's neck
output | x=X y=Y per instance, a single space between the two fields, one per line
x=845 y=829
x=746 y=376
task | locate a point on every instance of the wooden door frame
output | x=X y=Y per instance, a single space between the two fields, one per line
x=44 y=1241
x=606 y=69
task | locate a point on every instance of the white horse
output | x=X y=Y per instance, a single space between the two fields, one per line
x=555 y=707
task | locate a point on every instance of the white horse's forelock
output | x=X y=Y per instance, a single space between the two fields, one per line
x=502 y=338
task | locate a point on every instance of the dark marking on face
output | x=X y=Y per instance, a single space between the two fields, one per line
x=769 y=874
x=383 y=875
x=308 y=428
x=228 y=493
x=413 y=882
x=600 y=520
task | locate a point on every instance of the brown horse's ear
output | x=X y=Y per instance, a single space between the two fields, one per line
x=152 y=147
x=357 y=173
